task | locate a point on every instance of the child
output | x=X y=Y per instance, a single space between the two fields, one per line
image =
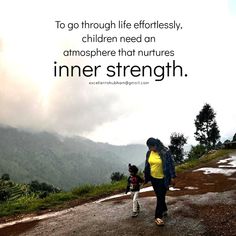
x=134 y=182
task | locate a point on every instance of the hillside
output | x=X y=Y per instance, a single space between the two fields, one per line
x=65 y=162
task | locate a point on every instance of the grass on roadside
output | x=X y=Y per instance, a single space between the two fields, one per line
x=204 y=159
x=28 y=204
x=90 y=191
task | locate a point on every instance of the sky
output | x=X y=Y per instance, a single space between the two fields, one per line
x=32 y=98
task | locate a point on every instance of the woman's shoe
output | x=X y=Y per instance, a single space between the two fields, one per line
x=159 y=222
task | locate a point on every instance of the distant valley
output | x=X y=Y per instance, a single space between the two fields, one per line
x=65 y=162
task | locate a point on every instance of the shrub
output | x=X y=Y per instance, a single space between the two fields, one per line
x=36 y=187
x=197 y=151
x=116 y=176
x=4 y=195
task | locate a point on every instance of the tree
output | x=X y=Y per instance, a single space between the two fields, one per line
x=219 y=145
x=5 y=177
x=177 y=142
x=226 y=141
x=234 y=138
x=116 y=176
x=34 y=186
x=207 y=132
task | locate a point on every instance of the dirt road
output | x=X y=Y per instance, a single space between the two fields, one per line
x=205 y=204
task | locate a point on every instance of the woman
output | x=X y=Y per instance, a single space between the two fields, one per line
x=160 y=170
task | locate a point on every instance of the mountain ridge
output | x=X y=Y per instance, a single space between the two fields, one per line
x=64 y=162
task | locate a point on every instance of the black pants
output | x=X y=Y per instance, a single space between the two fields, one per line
x=160 y=191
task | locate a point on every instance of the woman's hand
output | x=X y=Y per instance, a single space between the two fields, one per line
x=144 y=182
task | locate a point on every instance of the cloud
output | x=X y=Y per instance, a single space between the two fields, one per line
x=63 y=105
x=77 y=107
x=29 y=97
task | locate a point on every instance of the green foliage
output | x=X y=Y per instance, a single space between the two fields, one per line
x=43 y=194
x=31 y=202
x=107 y=189
x=177 y=142
x=42 y=190
x=186 y=165
x=36 y=187
x=116 y=176
x=5 y=177
x=4 y=195
x=99 y=190
x=191 y=163
x=20 y=205
x=54 y=199
x=11 y=191
x=196 y=151
x=207 y=132
x=83 y=190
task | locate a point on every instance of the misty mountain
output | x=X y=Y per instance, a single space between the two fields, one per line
x=65 y=162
